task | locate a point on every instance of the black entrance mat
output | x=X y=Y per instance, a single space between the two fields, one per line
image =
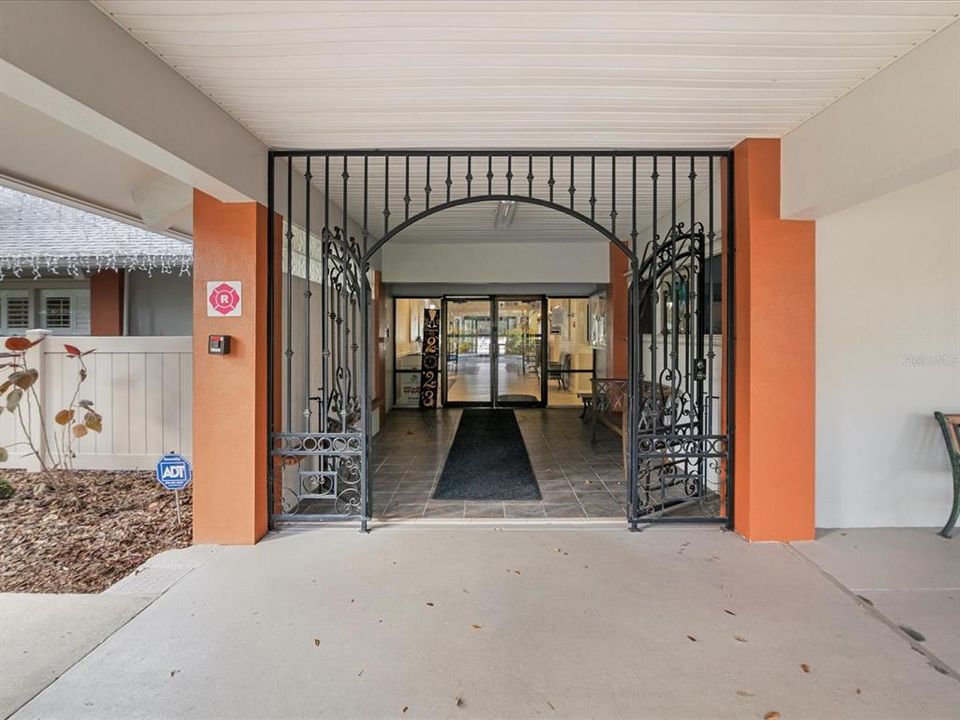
x=488 y=460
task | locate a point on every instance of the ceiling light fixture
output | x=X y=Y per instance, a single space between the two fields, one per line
x=506 y=211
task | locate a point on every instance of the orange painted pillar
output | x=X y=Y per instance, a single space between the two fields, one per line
x=230 y=391
x=106 y=302
x=617 y=299
x=774 y=347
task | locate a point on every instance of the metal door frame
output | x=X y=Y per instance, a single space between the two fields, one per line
x=347 y=444
x=493 y=401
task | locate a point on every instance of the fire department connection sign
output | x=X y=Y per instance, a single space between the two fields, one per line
x=223 y=298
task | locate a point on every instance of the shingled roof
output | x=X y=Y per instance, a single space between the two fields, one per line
x=39 y=236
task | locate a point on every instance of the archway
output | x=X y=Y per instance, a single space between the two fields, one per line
x=674 y=396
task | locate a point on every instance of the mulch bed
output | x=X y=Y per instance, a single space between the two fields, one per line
x=81 y=531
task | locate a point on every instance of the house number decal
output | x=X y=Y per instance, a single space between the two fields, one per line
x=430 y=358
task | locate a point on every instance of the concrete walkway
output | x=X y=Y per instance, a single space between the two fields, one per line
x=504 y=622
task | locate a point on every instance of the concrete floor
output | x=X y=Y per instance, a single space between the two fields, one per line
x=911 y=575
x=504 y=622
x=42 y=636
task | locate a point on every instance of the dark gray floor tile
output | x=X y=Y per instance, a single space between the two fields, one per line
x=524 y=510
x=563 y=510
x=444 y=510
x=556 y=497
x=483 y=510
x=419 y=476
x=396 y=511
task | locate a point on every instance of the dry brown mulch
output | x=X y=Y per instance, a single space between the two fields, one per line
x=81 y=531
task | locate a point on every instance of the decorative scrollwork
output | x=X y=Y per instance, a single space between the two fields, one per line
x=346 y=264
x=680 y=457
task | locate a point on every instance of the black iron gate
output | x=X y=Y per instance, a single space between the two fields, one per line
x=662 y=209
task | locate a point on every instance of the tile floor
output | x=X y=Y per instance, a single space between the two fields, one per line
x=578 y=478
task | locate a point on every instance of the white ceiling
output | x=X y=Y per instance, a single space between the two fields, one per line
x=522 y=74
x=514 y=73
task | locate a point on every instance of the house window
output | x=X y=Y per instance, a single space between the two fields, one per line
x=65 y=312
x=57 y=310
x=18 y=313
x=15 y=311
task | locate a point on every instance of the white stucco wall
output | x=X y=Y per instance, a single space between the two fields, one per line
x=898 y=128
x=576 y=262
x=888 y=355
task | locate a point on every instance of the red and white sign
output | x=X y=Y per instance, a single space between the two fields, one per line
x=223 y=298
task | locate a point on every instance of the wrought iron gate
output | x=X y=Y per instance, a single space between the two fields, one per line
x=662 y=209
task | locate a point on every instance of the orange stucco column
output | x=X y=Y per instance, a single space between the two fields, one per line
x=106 y=302
x=230 y=391
x=774 y=346
x=617 y=301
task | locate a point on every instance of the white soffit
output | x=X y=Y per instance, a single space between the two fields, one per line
x=423 y=73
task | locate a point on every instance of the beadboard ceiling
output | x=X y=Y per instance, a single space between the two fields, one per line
x=525 y=74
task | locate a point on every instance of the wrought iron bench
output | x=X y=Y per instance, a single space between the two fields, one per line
x=609 y=404
x=950 y=425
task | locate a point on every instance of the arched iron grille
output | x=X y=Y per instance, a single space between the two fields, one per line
x=669 y=212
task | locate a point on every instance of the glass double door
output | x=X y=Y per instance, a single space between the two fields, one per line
x=494 y=349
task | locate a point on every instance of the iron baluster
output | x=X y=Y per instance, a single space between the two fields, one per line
x=593 y=187
x=449 y=181
x=427 y=188
x=307 y=295
x=406 y=188
x=613 y=195
x=551 y=181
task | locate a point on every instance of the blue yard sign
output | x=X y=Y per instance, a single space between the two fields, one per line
x=174 y=472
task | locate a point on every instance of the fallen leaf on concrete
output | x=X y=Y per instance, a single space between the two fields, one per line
x=805 y=667
x=913 y=634
x=517 y=572
x=772 y=715
x=739 y=638
x=691 y=638
x=316 y=641
x=477 y=627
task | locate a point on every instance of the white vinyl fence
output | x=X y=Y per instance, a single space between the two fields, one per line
x=142 y=386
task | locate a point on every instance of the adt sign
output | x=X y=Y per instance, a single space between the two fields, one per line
x=173 y=472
